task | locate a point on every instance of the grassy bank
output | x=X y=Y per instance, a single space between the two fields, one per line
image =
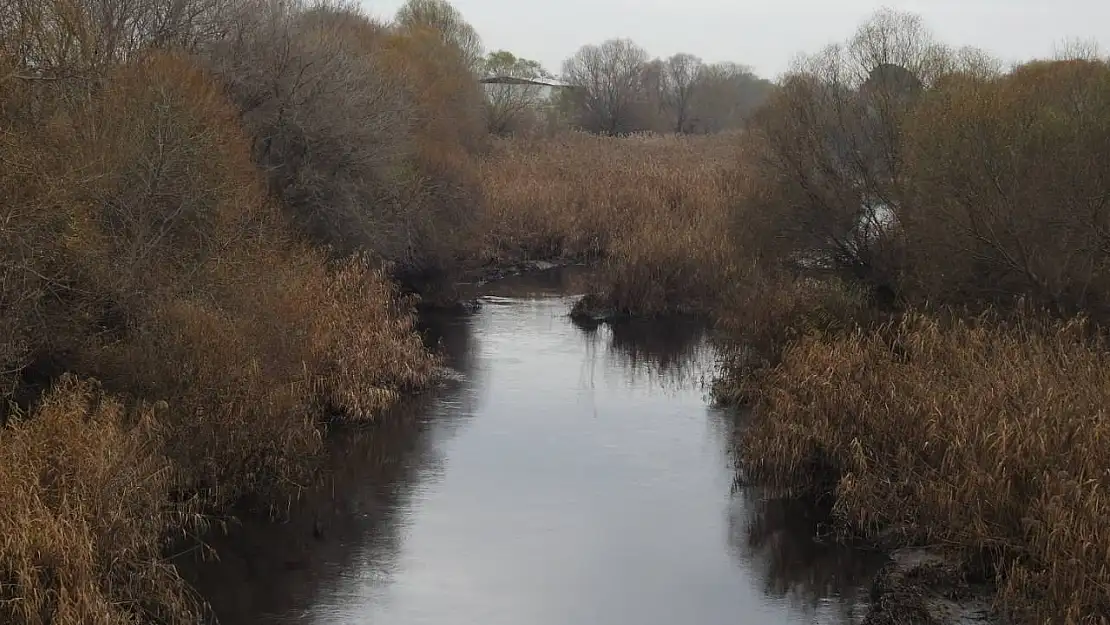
x=969 y=435
x=201 y=236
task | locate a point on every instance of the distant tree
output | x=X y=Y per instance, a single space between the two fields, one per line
x=651 y=111
x=608 y=85
x=724 y=96
x=507 y=104
x=680 y=75
x=448 y=21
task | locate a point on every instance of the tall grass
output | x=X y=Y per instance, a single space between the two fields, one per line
x=84 y=506
x=976 y=436
x=657 y=209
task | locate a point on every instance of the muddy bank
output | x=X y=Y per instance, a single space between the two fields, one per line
x=926 y=587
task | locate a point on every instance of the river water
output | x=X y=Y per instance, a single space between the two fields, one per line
x=569 y=476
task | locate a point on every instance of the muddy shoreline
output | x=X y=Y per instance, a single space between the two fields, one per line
x=921 y=586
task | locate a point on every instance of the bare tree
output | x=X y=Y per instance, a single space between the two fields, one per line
x=608 y=84
x=326 y=120
x=725 y=96
x=833 y=140
x=679 y=83
x=507 y=102
x=64 y=38
x=446 y=19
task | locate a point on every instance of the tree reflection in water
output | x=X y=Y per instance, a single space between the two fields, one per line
x=787 y=541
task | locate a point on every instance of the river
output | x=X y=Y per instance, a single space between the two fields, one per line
x=569 y=476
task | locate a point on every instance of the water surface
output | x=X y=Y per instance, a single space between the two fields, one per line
x=569 y=476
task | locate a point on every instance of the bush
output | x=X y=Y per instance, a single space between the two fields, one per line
x=365 y=130
x=1008 y=189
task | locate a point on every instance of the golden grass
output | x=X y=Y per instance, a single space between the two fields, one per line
x=659 y=209
x=985 y=438
x=84 y=505
x=765 y=313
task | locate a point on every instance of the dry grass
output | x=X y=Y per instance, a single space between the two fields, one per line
x=84 y=505
x=973 y=435
x=659 y=209
x=765 y=314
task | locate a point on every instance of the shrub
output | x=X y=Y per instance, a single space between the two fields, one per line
x=1008 y=181
x=365 y=130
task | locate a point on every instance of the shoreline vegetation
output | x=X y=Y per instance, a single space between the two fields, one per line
x=219 y=218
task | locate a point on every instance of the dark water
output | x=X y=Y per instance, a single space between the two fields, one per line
x=570 y=476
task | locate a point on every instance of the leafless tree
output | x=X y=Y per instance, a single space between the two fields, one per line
x=449 y=22
x=507 y=103
x=63 y=38
x=327 y=122
x=833 y=140
x=607 y=79
x=679 y=82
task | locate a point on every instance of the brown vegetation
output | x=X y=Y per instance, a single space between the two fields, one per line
x=171 y=339
x=84 y=489
x=981 y=437
x=656 y=208
x=366 y=132
x=911 y=188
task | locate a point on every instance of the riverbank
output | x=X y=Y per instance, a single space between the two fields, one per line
x=592 y=452
x=980 y=436
x=914 y=280
x=189 y=294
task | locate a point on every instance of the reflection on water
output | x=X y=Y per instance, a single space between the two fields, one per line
x=567 y=477
x=777 y=537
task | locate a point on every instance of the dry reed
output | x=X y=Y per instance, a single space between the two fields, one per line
x=84 y=505
x=659 y=209
x=976 y=436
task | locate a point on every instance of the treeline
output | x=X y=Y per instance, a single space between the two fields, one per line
x=937 y=175
x=204 y=205
x=618 y=89
x=615 y=88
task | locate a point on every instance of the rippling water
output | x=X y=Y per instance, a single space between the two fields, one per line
x=569 y=476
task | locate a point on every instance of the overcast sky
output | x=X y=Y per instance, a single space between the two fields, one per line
x=766 y=35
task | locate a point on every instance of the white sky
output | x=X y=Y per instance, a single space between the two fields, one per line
x=767 y=35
